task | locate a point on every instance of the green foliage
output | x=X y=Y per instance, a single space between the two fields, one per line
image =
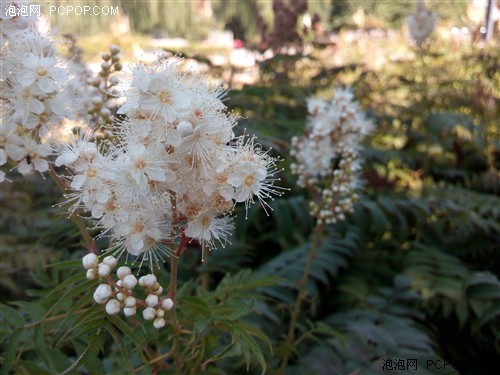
x=213 y=324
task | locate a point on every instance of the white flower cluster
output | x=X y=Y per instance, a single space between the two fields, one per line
x=175 y=166
x=421 y=23
x=327 y=161
x=35 y=93
x=118 y=295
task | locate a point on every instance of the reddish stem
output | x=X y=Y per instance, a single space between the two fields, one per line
x=183 y=243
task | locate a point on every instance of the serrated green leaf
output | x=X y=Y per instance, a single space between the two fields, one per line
x=92 y=348
x=255 y=349
x=41 y=348
x=120 y=344
x=232 y=350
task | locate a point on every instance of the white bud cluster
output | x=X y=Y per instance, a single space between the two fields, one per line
x=119 y=295
x=421 y=23
x=327 y=161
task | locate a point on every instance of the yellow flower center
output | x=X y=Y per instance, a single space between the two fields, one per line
x=205 y=222
x=249 y=180
x=165 y=97
x=91 y=172
x=140 y=164
x=42 y=72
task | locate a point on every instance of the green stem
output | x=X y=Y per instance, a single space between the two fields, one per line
x=175 y=326
x=154 y=360
x=74 y=217
x=52 y=318
x=301 y=295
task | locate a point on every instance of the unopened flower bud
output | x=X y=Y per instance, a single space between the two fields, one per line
x=115 y=50
x=105 y=65
x=185 y=128
x=105 y=112
x=129 y=282
x=130 y=301
x=114 y=81
x=159 y=291
x=152 y=300
x=111 y=261
x=102 y=293
x=149 y=313
x=129 y=311
x=120 y=296
x=113 y=307
x=96 y=100
x=123 y=271
x=90 y=260
x=167 y=304
x=159 y=323
x=92 y=274
x=149 y=281
x=104 y=270
x=160 y=313
x=118 y=67
x=105 y=56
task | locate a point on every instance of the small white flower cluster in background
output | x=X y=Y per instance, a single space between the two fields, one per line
x=174 y=168
x=119 y=295
x=35 y=93
x=421 y=23
x=327 y=161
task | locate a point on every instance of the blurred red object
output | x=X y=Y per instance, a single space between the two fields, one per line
x=238 y=43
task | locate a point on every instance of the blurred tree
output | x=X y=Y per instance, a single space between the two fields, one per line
x=340 y=14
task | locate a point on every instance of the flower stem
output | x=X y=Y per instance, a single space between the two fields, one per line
x=205 y=277
x=174 y=260
x=74 y=218
x=301 y=295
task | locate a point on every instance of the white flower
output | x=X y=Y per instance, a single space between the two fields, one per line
x=25 y=101
x=41 y=70
x=164 y=97
x=253 y=174
x=144 y=164
x=31 y=156
x=207 y=229
x=327 y=158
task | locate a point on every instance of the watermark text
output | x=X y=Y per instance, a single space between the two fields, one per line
x=85 y=10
